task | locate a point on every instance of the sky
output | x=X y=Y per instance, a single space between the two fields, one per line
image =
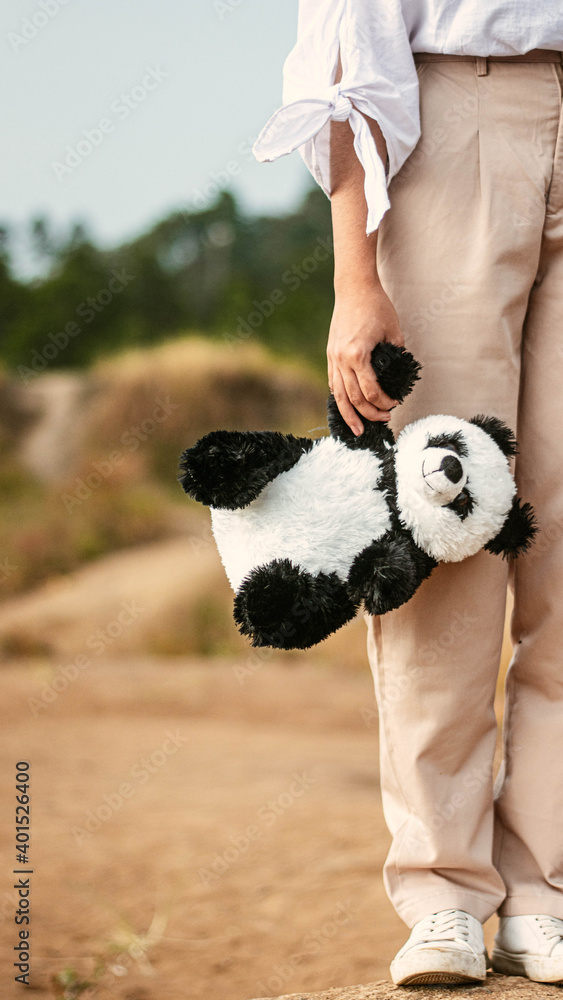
x=117 y=112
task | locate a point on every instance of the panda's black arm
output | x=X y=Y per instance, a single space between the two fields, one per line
x=376 y=436
x=397 y=371
x=229 y=469
x=388 y=572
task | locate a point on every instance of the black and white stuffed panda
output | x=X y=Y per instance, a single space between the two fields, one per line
x=308 y=530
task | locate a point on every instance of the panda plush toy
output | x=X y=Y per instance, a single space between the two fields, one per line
x=308 y=530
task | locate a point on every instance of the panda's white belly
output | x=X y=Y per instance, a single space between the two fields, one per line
x=320 y=514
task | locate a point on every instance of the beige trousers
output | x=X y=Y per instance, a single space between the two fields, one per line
x=471 y=254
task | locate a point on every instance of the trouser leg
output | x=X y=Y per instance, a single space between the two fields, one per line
x=529 y=803
x=458 y=267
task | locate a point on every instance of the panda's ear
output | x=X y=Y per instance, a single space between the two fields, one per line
x=499 y=432
x=517 y=532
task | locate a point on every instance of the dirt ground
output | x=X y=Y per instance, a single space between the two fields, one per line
x=196 y=832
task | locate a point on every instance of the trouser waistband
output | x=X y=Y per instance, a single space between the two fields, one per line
x=534 y=56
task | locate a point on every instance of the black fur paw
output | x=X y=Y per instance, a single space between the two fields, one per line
x=229 y=469
x=396 y=369
x=388 y=572
x=285 y=607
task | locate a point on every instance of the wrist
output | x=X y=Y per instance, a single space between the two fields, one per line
x=355 y=261
x=346 y=283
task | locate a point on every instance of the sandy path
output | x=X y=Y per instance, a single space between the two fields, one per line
x=253 y=849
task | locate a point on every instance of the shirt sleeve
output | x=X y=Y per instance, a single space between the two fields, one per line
x=379 y=80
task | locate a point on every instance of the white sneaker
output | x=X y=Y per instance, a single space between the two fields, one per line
x=445 y=947
x=530 y=945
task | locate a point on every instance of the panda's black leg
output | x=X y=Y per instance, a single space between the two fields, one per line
x=229 y=469
x=282 y=606
x=387 y=573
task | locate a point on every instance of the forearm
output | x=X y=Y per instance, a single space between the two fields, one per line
x=355 y=263
x=363 y=314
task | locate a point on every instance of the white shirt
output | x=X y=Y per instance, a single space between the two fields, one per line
x=376 y=39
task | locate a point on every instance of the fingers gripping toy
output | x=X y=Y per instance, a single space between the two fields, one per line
x=308 y=530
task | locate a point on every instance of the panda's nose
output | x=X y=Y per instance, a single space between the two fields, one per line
x=451 y=467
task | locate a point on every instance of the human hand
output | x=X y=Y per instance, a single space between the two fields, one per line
x=362 y=317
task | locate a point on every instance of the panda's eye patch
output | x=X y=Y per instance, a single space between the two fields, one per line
x=453 y=441
x=463 y=504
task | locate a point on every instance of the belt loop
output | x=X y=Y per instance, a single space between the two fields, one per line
x=482 y=65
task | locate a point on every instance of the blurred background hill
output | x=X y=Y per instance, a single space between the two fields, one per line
x=114 y=361
x=193 y=337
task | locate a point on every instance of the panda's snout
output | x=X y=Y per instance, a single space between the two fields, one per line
x=444 y=475
x=452 y=468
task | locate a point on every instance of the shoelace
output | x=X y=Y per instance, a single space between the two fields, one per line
x=552 y=927
x=447 y=925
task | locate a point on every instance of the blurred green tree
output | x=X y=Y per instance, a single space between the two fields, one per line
x=214 y=270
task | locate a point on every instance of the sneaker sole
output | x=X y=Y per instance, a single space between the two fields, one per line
x=538 y=970
x=435 y=978
x=435 y=967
